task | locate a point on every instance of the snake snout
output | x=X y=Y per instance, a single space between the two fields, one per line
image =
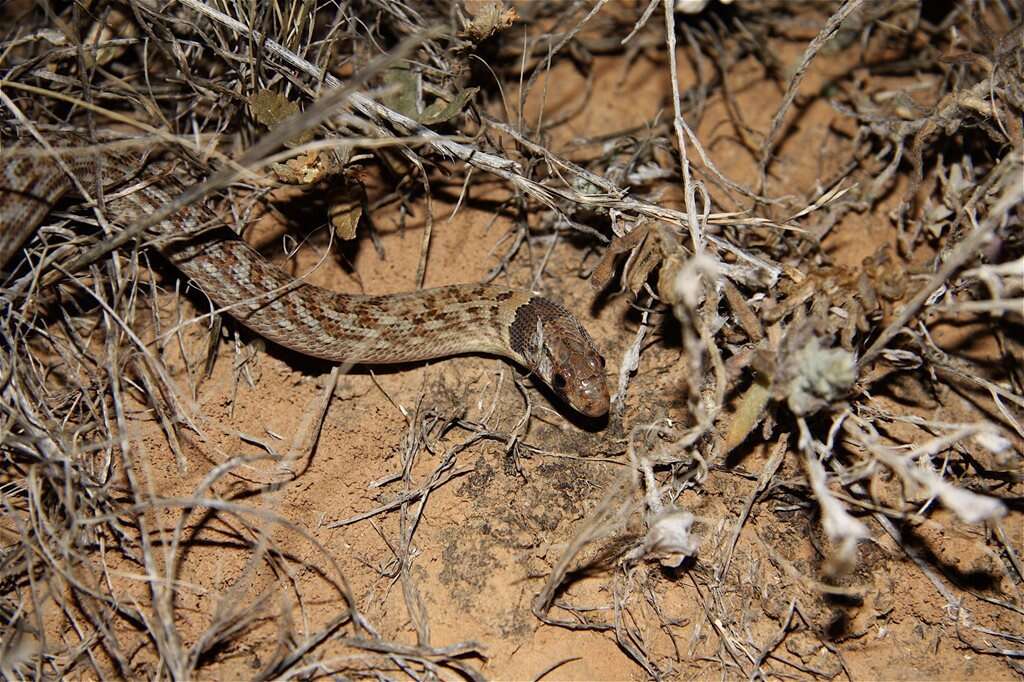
x=592 y=398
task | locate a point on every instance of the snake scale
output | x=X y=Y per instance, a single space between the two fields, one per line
x=535 y=332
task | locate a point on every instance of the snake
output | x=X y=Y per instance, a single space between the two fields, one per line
x=534 y=332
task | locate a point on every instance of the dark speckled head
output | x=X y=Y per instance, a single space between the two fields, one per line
x=556 y=347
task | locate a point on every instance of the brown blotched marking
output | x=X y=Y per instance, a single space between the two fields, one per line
x=524 y=326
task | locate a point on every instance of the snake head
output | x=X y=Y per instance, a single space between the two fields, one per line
x=557 y=349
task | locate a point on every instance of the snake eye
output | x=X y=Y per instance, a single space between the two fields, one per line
x=558 y=381
x=600 y=358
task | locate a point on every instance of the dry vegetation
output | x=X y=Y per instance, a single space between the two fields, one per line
x=808 y=267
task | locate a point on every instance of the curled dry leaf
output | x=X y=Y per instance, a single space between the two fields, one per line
x=346 y=208
x=605 y=270
x=750 y=411
x=668 y=539
x=487 y=17
x=744 y=314
x=648 y=248
x=305 y=169
x=114 y=25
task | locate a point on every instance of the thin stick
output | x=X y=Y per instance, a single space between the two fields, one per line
x=829 y=30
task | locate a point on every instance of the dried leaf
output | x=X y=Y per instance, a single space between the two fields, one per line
x=605 y=270
x=346 y=208
x=116 y=24
x=746 y=317
x=441 y=111
x=402 y=85
x=670 y=268
x=405 y=98
x=640 y=264
x=749 y=413
x=305 y=169
x=270 y=108
x=488 y=17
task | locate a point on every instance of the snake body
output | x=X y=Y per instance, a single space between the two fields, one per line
x=535 y=332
